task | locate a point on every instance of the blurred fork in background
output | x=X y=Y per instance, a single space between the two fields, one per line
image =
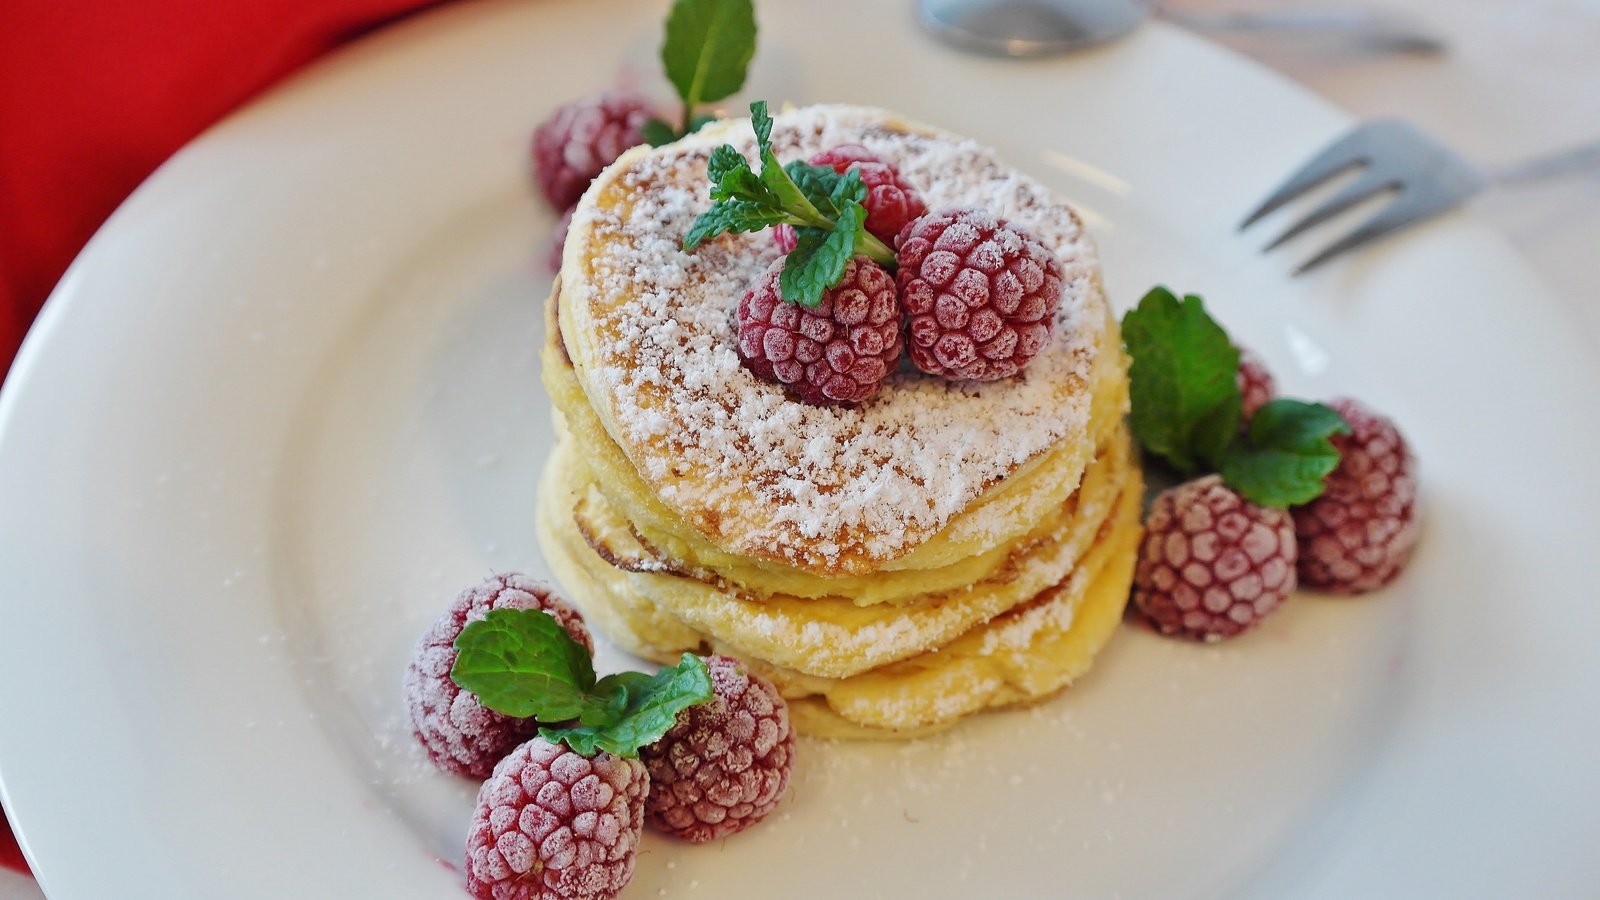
x=1425 y=176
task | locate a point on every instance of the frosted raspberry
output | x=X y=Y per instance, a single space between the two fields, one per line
x=891 y=203
x=1359 y=533
x=553 y=825
x=980 y=294
x=724 y=765
x=459 y=733
x=1255 y=383
x=837 y=352
x=583 y=137
x=1213 y=564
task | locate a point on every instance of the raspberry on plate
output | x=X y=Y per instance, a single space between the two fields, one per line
x=583 y=137
x=837 y=352
x=1213 y=564
x=891 y=203
x=980 y=294
x=724 y=766
x=551 y=824
x=459 y=733
x=1255 y=383
x=1360 y=532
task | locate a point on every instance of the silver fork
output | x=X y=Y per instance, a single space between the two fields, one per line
x=1426 y=177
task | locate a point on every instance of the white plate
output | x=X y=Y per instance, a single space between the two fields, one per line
x=286 y=404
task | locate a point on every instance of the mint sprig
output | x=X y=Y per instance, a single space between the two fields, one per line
x=1186 y=408
x=706 y=50
x=522 y=663
x=824 y=208
x=1283 y=457
x=1185 y=400
x=819 y=257
x=648 y=707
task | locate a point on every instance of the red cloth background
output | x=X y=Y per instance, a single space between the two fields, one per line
x=10 y=853
x=94 y=94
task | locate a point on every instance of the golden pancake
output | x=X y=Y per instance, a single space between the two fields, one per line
x=974 y=547
x=1028 y=652
x=941 y=549
x=825 y=490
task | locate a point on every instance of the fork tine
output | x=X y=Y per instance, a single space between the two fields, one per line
x=1347 y=151
x=1413 y=205
x=1371 y=182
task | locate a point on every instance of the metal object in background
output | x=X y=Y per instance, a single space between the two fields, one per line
x=1425 y=177
x=1025 y=28
x=1029 y=27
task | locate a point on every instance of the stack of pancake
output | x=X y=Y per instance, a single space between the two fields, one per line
x=941 y=549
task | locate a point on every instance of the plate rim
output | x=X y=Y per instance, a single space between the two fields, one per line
x=44 y=335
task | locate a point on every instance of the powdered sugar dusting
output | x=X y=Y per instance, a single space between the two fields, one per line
x=763 y=474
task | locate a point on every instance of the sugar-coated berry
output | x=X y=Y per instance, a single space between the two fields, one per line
x=1359 y=533
x=980 y=294
x=891 y=201
x=1212 y=564
x=553 y=825
x=459 y=733
x=583 y=137
x=836 y=353
x=1255 y=383
x=724 y=766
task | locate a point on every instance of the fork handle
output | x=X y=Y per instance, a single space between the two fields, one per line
x=1581 y=158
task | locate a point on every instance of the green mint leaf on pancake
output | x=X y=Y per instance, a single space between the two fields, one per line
x=735 y=216
x=786 y=194
x=642 y=708
x=1185 y=394
x=1284 y=455
x=847 y=189
x=817 y=183
x=819 y=257
x=824 y=207
x=522 y=663
x=706 y=51
x=743 y=202
x=657 y=132
x=733 y=179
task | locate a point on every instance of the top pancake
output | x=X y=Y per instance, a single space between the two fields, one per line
x=650 y=331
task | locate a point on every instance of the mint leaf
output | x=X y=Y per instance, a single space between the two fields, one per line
x=609 y=698
x=657 y=132
x=707 y=49
x=646 y=707
x=761 y=124
x=824 y=207
x=522 y=663
x=735 y=216
x=732 y=178
x=1283 y=457
x=784 y=191
x=819 y=257
x=698 y=122
x=817 y=183
x=742 y=201
x=1186 y=401
x=849 y=187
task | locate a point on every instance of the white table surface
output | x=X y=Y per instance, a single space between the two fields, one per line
x=1520 y=77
